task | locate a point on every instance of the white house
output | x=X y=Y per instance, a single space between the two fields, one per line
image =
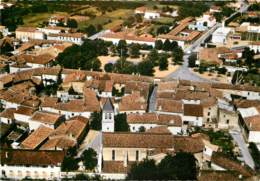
x=149 y=14
x=204 y=22
x=53 y=30
x=19 y=164
x=220 y=35
x=153 y=120
x=7 y=116
x=193 y=114
x=28 y=33
x=76 y=38
x=23 y=114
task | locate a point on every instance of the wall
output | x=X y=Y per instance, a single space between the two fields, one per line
x=254 y=136
x=19 y=172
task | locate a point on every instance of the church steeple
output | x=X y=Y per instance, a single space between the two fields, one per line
x=108 y=122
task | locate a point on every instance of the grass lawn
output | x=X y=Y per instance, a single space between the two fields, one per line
x=165 y=20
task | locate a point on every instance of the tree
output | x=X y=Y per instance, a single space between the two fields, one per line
x=113 y=50
x=96 y=121
x=222 y=70
x=121 y=122
x=192 y=60
x=163 y=62
x=89 y=158
x=90 y=30
x=134 y=50
x=145 y=170
x=167 y=45
x=122 y=48
x=153 y=57
x=124 y=67
x=129 y=21
x=163 y=29
x=109 y=67
x=248 y=55
x=69 y=164
x=72 y=23
x=158 y=44
x=138 y=18
x=177 y=54
x=146 y=68
x=92 y=64
x=180 y=167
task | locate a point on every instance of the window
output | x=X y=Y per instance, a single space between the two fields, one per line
x=137 y=155
x=113 y=154
x=208 y=113
x=208 y=120
x=248 y=93
x=110 y=115
x=133 y=128
x=227 y=121
x=105 y=116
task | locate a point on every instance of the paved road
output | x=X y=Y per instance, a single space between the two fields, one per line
x=152 y=101
x=184 y=73
x=237 y=136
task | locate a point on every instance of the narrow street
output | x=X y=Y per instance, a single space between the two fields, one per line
x=238 y=138
x=152 y=101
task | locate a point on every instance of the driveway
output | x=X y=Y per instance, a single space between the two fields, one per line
x=238 y=138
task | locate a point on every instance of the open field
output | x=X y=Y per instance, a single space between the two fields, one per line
x=109 y=19
x=35 y=19
x=213 y=76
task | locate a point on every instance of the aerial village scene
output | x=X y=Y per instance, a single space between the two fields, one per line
x=130 y=90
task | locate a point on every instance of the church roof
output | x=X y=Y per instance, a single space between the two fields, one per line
x=108 y=106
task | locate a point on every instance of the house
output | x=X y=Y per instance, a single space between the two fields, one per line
x=18 y=164
x=56 y=19
x=152 y=120
x=227 y=116
x=150 y=14
x=77 y=107
x=23 y=114
x=220 y=35
x=210 y=112
x=170 y=107
x=36 y=61
x=69 y=134
x=53 y=30
x=203 y=23
x=115 y=37
x=140 y=10
x=193 y=114
x=250 y=122
x=133 y=103
x=222 y=163
x=28 y=33
x=181 y=34
x=213 y=55
x=76 y=38
x=48 y=119
x=7 y=116
x=36 y=138
x=218 y=175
